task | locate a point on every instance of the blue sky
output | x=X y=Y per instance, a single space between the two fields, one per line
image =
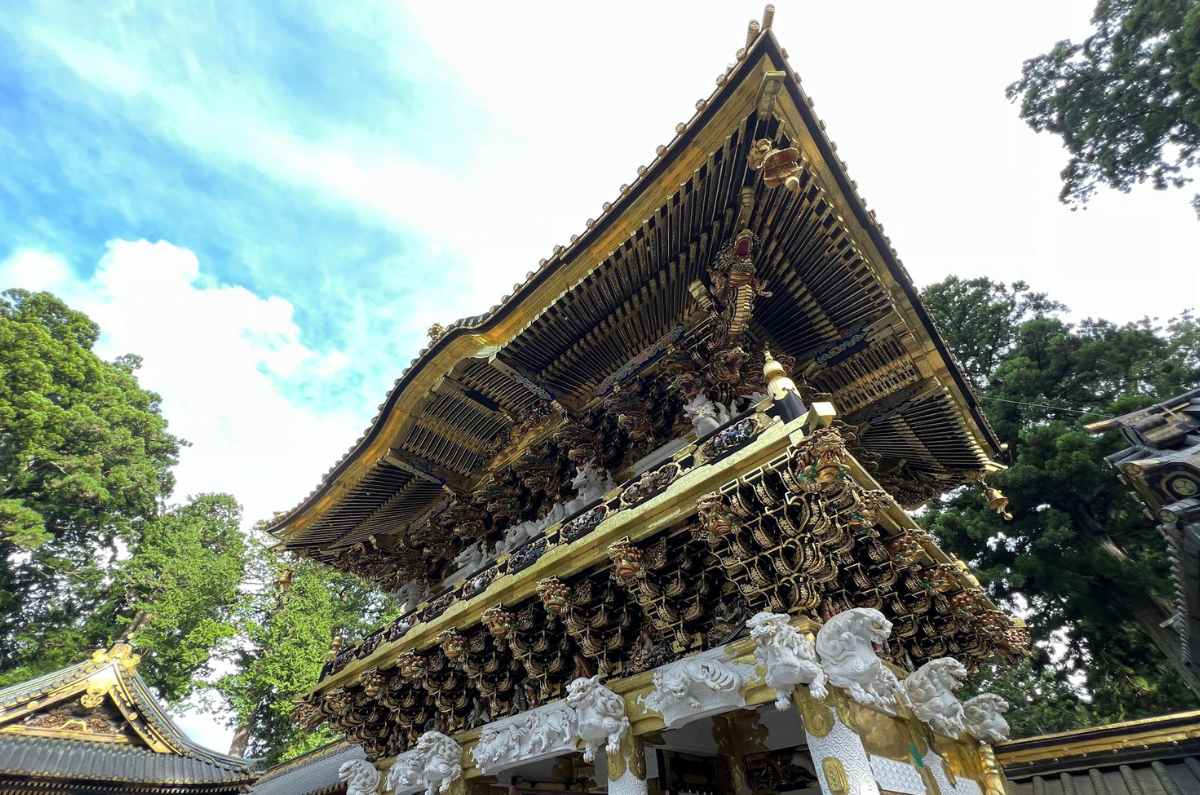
x=270 y=202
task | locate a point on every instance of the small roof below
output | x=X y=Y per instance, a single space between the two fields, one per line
x=315 y=773
x=1159 y=755
x=97 y=723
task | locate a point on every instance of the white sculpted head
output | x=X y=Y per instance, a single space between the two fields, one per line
x=929 y=691
x=600 y=714
x=441 y=759
x=405 y=774
x=360 y=776
x=846 y=646
x=788 y=657
x=984 y=716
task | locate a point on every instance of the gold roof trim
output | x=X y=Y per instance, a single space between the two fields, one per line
x=1145 y=733
x=105 y=677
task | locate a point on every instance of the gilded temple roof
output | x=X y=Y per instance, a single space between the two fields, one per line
x=99 y=721
x=835 y=302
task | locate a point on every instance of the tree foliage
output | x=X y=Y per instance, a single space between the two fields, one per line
x=179 y=590
x=1079 y=553
x=87 y=552
x=287 y=626
x=1126 y=100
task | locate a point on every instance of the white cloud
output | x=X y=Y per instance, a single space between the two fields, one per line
x=961 y=183
x=35 y=270
x=217 y=354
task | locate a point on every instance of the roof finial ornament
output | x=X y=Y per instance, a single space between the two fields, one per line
x=121 y=653
x=781 y=388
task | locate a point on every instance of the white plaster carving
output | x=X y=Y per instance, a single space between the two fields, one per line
x=544 y=732
x=405 y=774
x=591 y=483
x=696 y=687
x=600 y=715
x=360 y=776
x=412 y=594
x=985 y=718
x=433 y=765
x=788 y=657
x=845 y=645
x=442 y=758
x=469 y=561
x=706 y=415
x=929 y=691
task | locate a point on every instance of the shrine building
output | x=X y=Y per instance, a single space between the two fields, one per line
x=648 y=517
x=647 y=513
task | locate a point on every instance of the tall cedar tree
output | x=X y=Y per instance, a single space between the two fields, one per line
x=86 y=553
x=287 y=624
x=1126 y=100
x=1080 y=552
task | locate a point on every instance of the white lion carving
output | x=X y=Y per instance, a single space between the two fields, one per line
x=531 y=735
x=360 y=776
x=405 y=774
x=788 y=657
x=845 y=645
x=442 y=761
x=929 y=691
x=984 y=716
x=696 y=687
x=600 y=714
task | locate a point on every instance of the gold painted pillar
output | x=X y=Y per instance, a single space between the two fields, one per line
x=994 y=782
x=627 y=767
x=737 y=734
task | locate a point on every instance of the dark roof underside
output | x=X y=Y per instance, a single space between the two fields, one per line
x=825 y=294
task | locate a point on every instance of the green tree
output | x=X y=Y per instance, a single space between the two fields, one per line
x=85 y=459
x=87 y=553
x=179 y=590
x=287 y=626
x=1126 y=100
x=1079 y=553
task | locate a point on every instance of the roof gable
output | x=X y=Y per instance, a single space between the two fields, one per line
x=100 y=702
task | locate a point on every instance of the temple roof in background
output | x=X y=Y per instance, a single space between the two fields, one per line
x=609 y=306
x=315 y=773
x=97 y=723
x=1155 y=755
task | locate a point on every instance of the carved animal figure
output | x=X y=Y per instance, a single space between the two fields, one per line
x=684 y=682
x=442 y=761
x=405 y=773
x=590 y=483
x=845 y=645
x=929 y=691
x=360 y=776
x=789 y=658
x=779 y=166
x=984 y=717
x=600 y=713
x=706 y=415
